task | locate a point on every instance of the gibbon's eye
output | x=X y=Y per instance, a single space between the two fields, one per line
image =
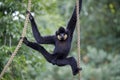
x=65 y=36
x=59 y=37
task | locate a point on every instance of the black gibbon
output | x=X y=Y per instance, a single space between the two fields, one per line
x=61 y=40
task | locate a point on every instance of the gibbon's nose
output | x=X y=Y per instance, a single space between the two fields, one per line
x=62 y=36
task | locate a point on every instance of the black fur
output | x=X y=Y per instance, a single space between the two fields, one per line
x=62 y=48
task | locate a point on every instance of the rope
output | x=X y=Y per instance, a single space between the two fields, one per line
x=78 y=33
x=19 y=43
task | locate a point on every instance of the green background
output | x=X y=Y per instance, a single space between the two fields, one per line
x=100 y=39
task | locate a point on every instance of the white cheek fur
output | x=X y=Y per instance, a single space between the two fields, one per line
x=65 y=36
x=59 y=37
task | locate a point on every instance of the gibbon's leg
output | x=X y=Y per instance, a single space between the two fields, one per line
x=68 y=61
x=39 y=48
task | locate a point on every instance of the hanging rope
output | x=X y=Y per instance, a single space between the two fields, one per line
x=78 y=33
x=19 y=43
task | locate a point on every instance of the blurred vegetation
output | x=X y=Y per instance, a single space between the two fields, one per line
x=100 y=39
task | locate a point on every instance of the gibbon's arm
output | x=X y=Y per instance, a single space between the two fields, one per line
x=72 y=22
x=40 y=39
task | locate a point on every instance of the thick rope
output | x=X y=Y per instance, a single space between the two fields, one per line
x=78 y=33
x=19 y=43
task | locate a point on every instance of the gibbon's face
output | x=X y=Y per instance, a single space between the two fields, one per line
x=61 y=34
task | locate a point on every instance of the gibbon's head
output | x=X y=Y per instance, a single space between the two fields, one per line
x=62 y=34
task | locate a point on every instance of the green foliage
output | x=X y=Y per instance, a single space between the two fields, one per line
x=100 y=39
x=101 y=66
x=102 y=23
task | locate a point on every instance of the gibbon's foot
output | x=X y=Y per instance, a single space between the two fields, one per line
x=21 y=38
x=24 y=40
x=77 y=71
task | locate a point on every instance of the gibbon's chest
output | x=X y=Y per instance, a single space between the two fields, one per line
x=62 y=46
